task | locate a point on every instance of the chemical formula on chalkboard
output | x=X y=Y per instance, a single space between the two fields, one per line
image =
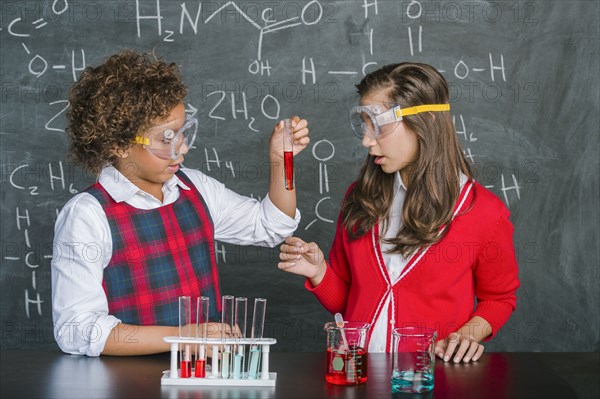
x=249 y=64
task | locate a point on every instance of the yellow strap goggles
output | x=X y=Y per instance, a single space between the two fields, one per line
x=368 y=119
x=170 y=144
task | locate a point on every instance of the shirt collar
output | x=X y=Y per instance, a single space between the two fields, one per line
x=463 y=180
x=399 y=183
x=120 y=188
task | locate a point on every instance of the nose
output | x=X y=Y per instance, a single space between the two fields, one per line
x=368 y=141
x=184 y=147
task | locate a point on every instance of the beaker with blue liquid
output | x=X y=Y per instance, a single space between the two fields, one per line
x=413 y=359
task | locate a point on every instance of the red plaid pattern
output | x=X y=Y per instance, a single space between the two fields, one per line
x=158 y=255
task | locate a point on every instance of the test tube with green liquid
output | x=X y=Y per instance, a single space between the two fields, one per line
x=258 y=325
x=226 y=331
x=241 y=305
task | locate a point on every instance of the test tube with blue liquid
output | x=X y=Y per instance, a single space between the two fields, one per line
x=185 y=359
x=202 y=304
x=258 y=325
x=226 y=330
x=241 y=305
x=215 y=362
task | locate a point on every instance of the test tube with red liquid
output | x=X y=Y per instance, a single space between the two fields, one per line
x=185 y=359
x=201 y=332
x=288 y=154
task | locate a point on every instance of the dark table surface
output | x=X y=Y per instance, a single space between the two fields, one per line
x=52 y=374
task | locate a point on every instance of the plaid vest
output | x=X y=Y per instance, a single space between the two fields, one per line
x=158 y=255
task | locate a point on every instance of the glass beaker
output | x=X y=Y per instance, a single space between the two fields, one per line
x=346 y=353
x=413 y=359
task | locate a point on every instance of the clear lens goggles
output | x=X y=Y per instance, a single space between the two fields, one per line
x=369 y=119
x=170 y=144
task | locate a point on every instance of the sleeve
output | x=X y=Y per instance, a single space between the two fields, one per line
x=81 y=250
x=333 y=290
x=243 y=220
x=496 y=276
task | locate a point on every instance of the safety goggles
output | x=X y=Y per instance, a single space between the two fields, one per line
x=368 y=119
x=170 y=144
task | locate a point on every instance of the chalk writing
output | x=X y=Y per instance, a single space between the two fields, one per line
x=247 y=65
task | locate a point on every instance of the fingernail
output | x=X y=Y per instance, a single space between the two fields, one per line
x=446 y=358
x=456 y=360
x=466 y=360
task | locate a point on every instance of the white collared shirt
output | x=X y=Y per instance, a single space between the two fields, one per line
x=394 y=262
x=83 y=247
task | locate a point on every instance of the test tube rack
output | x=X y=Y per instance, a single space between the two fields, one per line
x=264 y=379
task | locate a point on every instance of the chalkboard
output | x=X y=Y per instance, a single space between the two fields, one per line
x=524 y=87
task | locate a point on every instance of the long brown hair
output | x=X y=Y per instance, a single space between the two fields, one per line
x=434 y=185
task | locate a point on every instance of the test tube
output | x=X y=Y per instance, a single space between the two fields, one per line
x=202 y=304
x=241 y=305
x=227 y=310
x=185 y=360
x=258 y=325
x=288 y=154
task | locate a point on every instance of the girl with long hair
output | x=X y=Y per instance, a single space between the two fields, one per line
x=419 y=242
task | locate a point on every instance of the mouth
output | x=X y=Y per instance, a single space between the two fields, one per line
x=378 y=159
x=173 y=168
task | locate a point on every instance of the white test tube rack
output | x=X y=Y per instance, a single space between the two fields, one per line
x=264 y=378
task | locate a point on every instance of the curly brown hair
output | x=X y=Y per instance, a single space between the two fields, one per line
x=111 y=103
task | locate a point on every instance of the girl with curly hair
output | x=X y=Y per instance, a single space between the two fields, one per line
x=418 y=242
x=144 y=234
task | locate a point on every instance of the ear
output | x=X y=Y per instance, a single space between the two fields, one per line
x=121 y=153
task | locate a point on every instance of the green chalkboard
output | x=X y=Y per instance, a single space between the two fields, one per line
x=524 y=82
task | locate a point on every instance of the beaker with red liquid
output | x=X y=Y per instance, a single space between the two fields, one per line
x=346 y=353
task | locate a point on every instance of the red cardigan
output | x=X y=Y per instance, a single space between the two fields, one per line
x=439 y=285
